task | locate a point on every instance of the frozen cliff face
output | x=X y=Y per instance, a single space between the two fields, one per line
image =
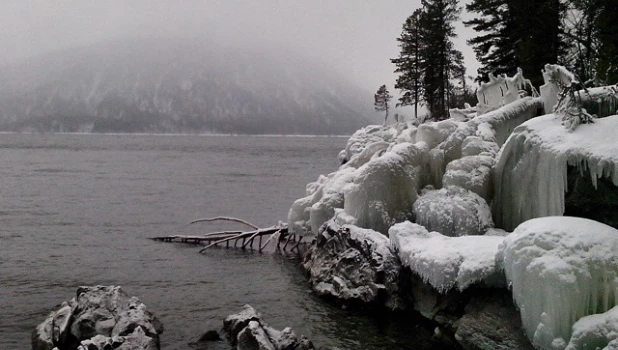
x=531 y=172
x=560 y=269
x=447 y=262
x=453 y=211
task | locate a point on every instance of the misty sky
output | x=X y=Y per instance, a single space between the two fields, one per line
x=355 y=37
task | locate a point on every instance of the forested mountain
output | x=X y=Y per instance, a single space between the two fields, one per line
x=178 y=86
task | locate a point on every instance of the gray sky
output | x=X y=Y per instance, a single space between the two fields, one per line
x=355 y=37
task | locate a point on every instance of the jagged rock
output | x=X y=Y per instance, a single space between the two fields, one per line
x=247 y=331
x=492 y=323
x=99 y=317
x=354 y=265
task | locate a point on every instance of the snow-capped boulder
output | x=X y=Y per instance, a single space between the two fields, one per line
x=472 y=173
x=353 y=265
x=560 y=269
x=97 y=316
x=595 y=331
x=447 y=262
x=366 y=136
x=385 y=188
x=453 y=211
x=475 y=145
x=531 y=171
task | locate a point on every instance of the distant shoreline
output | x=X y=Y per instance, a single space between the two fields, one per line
x=163 y=134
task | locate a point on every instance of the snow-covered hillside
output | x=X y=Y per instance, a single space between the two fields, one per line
x=178 y=86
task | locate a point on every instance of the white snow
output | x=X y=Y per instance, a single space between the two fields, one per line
x=453 y=211
x=560 y=270
x=446 y=262
x=530 y=175
x=595 y=331
x=555 y=77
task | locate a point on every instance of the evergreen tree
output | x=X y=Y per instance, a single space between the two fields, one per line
x=381 y=101
x=437 y=19
x=409 y=63
x=495 y=47
x=516 y=33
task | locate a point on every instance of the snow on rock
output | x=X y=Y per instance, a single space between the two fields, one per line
x=447 y=262
x=365 y=136
x=385 y=188
x=474 y=145
x=352 y=265
x=595 y=331
x=472 y=173
x=453 y=211
x=561 y=269
x=531 y=171
x=505 y=119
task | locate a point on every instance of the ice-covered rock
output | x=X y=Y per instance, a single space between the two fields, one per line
x=309 y=213
x=560 y=269
x=354 y=265
x=595 y=331
x=385 y=188
x=247 y=330
x=555 y=78
x=472 y=173
x=531 y=171
x=453 y=211
x=475 y=145
x=447 y=262
x=99 y=315
x=366 y=136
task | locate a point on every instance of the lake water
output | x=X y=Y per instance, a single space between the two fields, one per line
x=78 y=209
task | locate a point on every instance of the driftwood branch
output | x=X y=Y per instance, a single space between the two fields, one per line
x=226 y=218
x=278 y=233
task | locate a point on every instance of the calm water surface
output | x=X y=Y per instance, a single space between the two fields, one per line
x=78 y=209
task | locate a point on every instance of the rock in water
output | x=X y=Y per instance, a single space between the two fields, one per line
x=99 y=317
x=247 y=331
x=354 y=265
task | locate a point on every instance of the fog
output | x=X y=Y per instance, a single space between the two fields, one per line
x=355 y=38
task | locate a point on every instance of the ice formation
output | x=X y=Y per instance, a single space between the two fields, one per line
x=385 y=188
x=385 y=167
x=472 y=173
x=453 y=211
x=530 y=175
x=595 y=331
x=500 y=91
x=447 y=262
x=560 y=269
x=555 y=77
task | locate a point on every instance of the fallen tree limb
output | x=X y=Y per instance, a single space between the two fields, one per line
x=225 y=218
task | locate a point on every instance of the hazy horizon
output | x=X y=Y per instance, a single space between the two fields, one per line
x=355 y=39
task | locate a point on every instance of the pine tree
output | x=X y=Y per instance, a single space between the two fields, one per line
x=495 y=47
x=516 y=33
x=409 y=63
x=381 y=101
x=437 y=19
